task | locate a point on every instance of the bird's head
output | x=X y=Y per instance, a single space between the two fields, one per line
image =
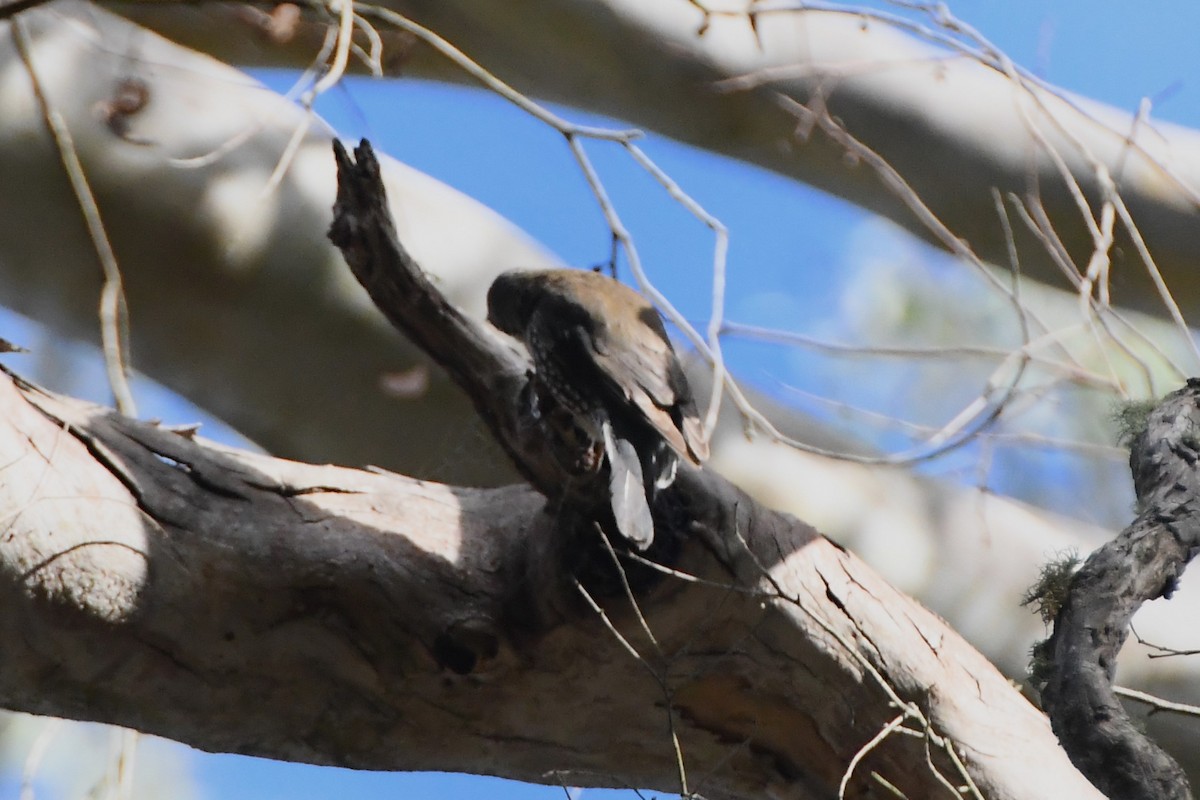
x=511 y=301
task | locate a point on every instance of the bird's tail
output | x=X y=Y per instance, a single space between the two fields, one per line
x=627 y=486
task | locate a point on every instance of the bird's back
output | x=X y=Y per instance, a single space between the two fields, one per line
x=622 y=335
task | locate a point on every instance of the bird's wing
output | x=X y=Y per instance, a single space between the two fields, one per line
x=645 y=368
x=650 y=377
x=646 y=374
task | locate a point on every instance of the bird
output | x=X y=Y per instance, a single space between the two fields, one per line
x=599 y=349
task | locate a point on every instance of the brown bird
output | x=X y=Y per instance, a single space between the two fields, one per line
x=599 y=348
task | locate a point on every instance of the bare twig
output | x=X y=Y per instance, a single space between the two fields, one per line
x=114 y=321
x=1158 y=703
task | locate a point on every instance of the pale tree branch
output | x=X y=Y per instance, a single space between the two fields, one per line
x=246 y=604
x=934 y=99
x=235 y=296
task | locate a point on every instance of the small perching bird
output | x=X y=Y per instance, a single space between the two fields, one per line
x=600 y=350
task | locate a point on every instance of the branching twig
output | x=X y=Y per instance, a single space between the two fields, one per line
x=114 y=322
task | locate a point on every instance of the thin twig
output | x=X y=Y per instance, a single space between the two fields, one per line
x=1158 y=703
x=114 y=321
x=125 y=762
x=865 y=750
x=910 y=709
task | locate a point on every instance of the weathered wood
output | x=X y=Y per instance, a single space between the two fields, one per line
x=247 y=604
x=1145 y=562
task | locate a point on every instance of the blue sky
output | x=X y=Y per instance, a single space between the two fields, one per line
x=1115 y=52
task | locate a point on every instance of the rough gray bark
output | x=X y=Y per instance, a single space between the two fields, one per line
x=1145 y=562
